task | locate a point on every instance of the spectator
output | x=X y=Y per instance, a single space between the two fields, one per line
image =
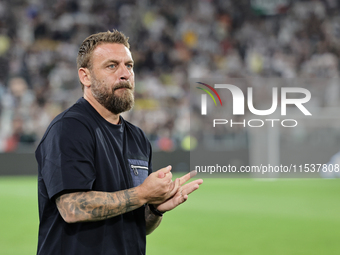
x=171 y=42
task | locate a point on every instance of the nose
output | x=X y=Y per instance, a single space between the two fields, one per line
x=124 y=72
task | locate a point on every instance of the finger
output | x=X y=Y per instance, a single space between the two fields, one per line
x=185 y=198
x=185 y=178
x=188 y=176
x=199 y=182
x=192 y=186
x=188 y=190
x=184 y=195
x=168 y=178
x=163 y=171
x=193 y=173
x=175 y=188
x=172 y=184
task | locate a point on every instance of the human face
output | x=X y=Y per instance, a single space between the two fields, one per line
x=112 y=77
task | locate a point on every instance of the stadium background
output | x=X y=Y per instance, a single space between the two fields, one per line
x=172 y=42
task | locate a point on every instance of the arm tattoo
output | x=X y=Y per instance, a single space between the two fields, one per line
x=96 y=205
x=152 y=221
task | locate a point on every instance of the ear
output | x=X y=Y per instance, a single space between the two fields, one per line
x=84 y=76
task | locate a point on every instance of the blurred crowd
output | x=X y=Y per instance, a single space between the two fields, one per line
x=172 y=42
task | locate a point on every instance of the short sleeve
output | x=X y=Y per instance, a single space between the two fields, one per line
x=67 y=157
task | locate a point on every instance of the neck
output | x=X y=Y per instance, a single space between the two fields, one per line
x=105 y=113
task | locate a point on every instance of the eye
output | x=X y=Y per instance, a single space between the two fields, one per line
x=129 y=66
x=112 y=66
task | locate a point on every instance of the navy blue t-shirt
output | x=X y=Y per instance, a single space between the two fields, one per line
x=81 y=151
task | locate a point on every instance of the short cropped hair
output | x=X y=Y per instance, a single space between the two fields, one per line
x=91 y=42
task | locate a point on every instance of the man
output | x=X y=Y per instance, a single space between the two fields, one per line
x=97 y=193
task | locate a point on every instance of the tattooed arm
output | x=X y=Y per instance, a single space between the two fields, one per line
x=96 y=205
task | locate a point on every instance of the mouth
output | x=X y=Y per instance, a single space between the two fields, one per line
x=122 y=90
x=123 y=87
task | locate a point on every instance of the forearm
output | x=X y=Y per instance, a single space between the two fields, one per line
x=95 y=205
x=152 y=221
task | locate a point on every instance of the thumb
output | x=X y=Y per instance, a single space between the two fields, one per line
x=162 y=172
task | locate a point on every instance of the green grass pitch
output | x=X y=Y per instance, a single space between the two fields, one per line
x=225 y=216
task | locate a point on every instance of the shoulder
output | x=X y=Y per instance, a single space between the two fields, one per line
x=73 y=122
